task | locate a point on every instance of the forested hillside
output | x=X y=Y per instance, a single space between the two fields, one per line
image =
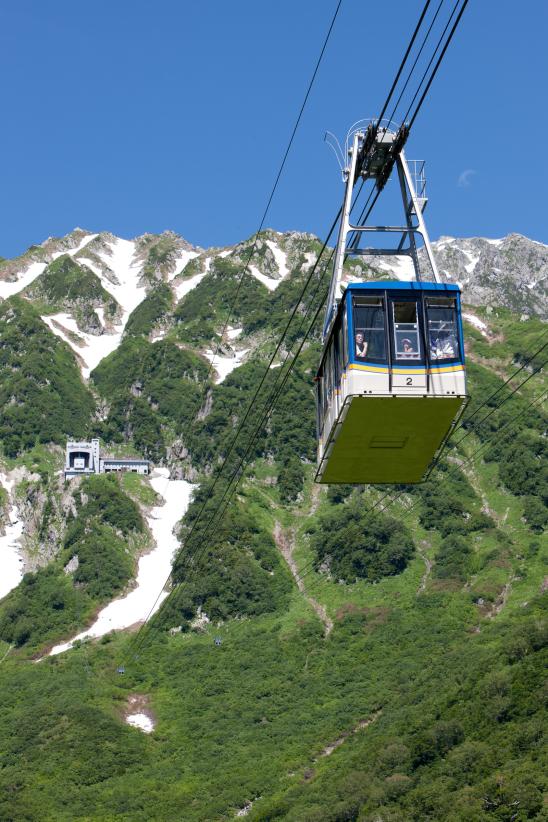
x=325 y=653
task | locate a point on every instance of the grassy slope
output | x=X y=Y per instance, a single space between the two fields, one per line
x=250 y=718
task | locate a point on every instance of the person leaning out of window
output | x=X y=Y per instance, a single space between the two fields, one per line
x=361 y=346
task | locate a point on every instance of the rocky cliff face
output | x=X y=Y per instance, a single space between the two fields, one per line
x=510 y=272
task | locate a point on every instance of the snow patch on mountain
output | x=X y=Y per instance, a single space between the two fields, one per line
x=141 y=721
x=119 y=256
x=121 y=261
x=8 y=289
x=154 y=568
x=310 y=259
x=280 y=257
x=89 y=348
x=183 y=288
x=11 y=560
x=72 y=251
x=470 y=267
x=233 y=333
x=400 y=266
x=224 y=365
x=181 y=262
x=476 y=322
x=270 y=283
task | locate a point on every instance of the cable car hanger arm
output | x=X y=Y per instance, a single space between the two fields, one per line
x=372 y=155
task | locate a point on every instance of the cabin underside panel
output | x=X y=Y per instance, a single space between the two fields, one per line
x=391 y=439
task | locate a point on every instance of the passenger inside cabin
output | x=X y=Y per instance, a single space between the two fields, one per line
x=442 y=348
x=408 y=350
x=361 y=346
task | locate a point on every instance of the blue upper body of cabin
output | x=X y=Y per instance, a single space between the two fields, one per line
x=408 y=324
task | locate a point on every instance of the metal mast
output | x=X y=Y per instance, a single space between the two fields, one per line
x=372 y=155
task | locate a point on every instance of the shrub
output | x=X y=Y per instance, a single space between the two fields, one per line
x=361 y=545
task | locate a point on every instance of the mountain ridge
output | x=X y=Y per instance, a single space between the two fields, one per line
x=129 y=270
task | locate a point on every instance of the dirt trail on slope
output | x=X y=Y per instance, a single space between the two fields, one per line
x=285 y=540
x=428 y=563
x=364 y=723
x=501 y=600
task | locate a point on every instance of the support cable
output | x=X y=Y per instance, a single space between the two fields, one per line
x=404 y=60
x=471 y=430
x=271 y=405
x=412 y=69
x=269 y=201
x=216 y=479
x=236 y=476
x=436 y=67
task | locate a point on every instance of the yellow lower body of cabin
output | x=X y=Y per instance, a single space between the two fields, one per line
x=391 y=439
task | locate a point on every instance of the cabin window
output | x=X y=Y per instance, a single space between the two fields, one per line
x=337 y=354
x=319 y=404
x=443 y=336
x=406 y=330
x=328 y=372
x=345 y=338
x=369 y=329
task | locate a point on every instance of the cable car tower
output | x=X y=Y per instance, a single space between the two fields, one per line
x=373 y=153
x=391 y=384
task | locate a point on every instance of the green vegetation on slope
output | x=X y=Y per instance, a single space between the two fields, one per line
x=255 y=720
x=148 y=386
x=355 y=544
x=241 y=571
x=424 y=702
x=42 y=396
x=200 y=317
x=100 y=539
x=65 y=284
x=157 y=304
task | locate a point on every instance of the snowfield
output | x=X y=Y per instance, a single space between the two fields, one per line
x=476 y=322
x=90 y=348
x=401 y=267
x=26 y=278
x=154 y=568
x=141 y=721
x=35 y=269
x=72 y=251
x=270 y=283
x=280 y=257
x=11 y=561
x=127 y=293
x=181 y=262
x=225 y=365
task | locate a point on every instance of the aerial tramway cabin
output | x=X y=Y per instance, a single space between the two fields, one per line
x=391 y=382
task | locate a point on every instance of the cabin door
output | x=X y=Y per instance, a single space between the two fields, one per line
x=406 y=343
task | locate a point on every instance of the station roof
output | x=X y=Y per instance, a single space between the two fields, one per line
x=124 y=459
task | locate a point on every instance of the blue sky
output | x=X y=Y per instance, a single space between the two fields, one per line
x=140 y=116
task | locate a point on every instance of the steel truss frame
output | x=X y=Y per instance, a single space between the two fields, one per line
x=373 y=155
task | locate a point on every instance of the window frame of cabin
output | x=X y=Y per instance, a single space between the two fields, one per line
x=416 y=357
x=362 y=300
x=435 y=302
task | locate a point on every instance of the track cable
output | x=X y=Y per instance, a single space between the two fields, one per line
x=270 y=405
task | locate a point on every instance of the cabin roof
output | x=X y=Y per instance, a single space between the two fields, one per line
x=402 y=285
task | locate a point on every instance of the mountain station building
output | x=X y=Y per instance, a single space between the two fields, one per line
x=84 y=458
